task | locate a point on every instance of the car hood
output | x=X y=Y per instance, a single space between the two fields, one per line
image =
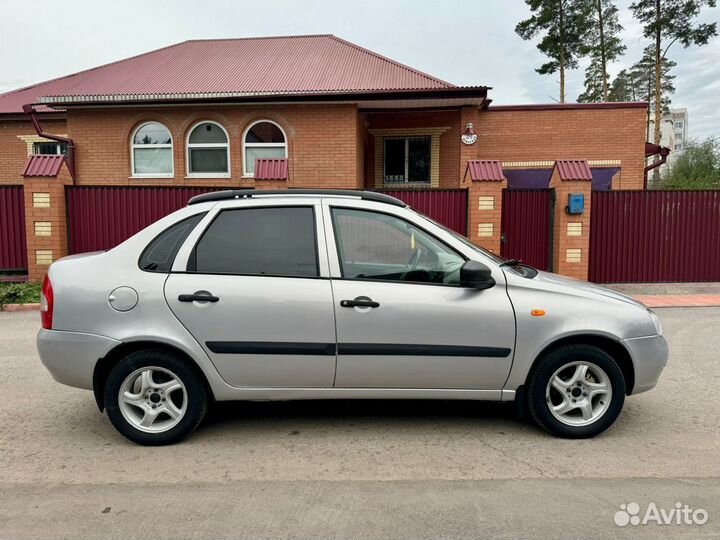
x=567 y=285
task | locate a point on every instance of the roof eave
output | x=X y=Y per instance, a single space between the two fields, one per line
x=65 y=102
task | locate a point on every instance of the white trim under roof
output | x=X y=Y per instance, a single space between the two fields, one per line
x=420 y=103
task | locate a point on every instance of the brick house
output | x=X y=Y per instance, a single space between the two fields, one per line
x=301 y=111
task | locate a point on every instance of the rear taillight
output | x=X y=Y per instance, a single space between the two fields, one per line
x=47 y=301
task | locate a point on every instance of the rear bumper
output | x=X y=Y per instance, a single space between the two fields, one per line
x=649 y=356
x=70 y=357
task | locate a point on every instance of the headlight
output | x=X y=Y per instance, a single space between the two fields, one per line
x=656 y=322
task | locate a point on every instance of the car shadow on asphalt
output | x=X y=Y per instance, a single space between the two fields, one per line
x=367 y=412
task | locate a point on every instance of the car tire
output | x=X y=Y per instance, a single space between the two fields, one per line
x=576 y=391
x=155 y=398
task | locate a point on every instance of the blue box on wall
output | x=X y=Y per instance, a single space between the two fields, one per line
x=576 y=203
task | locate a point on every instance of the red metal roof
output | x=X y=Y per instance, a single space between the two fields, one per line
x=44 y=165
x=321 y=64
x=485 y=170
x=271 y=169
x=573 y=169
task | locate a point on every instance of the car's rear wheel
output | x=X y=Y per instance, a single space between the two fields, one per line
x=576 y=391
x=155 y=398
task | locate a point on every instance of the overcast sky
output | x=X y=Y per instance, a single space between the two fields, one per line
x=463 y=42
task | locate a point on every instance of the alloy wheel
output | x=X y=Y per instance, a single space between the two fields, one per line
x=153 y=399
x=579 y=393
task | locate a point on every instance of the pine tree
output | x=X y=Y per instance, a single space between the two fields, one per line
x=642 y=74
x=603 y=45
x=563 y=24
x=665 y=23
x=623 y=88
x=595 y=81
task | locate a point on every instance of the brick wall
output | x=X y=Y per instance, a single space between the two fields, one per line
x=14 y=138
x=322 y=143
x=561 y=133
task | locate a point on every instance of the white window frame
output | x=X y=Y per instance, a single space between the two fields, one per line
x=246 y=144
x=407 y=180
x=133 y=146
x=58 y=151
x=189 y=145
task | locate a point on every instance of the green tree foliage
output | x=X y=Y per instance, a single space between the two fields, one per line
x=603 y=45
x=563 y=25
x=594 y=86
x=666 y=22
x=624 y=87
x=696 y=167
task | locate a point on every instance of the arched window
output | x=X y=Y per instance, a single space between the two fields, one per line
x=263 y=139
x=208 y=151
x=152 y=151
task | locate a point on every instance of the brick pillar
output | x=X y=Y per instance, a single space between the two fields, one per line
x=45 y=221
x=571 y=233
x=485 y=183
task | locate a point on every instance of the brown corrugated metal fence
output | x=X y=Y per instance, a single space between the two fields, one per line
x=13 y=251
x=655 y=236
x=102 y=217
x=446 y=206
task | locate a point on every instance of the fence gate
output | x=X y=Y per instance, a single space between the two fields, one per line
x=527 y=226
x=446 y=206
x=655 y=236
x=102 y=217
x=13 y=251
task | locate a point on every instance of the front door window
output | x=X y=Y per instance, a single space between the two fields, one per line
x=378 y=246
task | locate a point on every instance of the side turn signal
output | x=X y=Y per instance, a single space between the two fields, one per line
x=537 y=312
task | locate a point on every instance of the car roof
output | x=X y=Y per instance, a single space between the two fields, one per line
x=252 y=193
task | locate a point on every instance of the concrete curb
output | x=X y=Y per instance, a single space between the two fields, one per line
x=20 y=307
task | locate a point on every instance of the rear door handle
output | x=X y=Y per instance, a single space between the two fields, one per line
x=359 y=303
x=198 y=297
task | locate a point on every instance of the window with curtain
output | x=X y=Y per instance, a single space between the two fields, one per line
x=152 y=151
x=264 y=140
x=208 y=151
x=50 y=148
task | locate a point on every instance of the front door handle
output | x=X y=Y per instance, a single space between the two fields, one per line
x=359 y=302
x=198 y=297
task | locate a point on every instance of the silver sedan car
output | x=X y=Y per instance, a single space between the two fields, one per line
x=328 y=294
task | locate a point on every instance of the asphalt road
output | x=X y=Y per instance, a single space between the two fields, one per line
x=359 y=469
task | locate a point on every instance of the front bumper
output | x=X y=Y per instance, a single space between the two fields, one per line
x=649 y=356
x=70 y=357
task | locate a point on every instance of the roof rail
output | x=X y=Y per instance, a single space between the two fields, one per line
x=249 y=193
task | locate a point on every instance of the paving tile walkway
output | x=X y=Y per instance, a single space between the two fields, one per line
x=679 y=300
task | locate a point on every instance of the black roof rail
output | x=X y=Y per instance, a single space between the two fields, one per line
x=249 y=193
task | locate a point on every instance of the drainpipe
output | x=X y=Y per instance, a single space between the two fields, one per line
x=664 y=152
x=70 y=158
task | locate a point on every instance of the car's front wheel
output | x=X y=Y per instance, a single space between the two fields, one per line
x=576 y=391
x=154 y=398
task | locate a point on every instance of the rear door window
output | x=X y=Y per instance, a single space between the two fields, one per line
x=274 y=241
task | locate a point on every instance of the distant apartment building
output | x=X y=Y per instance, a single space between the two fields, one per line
x=673 y=133
x=678 y=119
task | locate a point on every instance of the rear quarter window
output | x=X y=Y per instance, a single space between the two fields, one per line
x=159 y=254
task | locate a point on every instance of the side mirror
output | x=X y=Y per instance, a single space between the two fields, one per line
x=476 y=275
